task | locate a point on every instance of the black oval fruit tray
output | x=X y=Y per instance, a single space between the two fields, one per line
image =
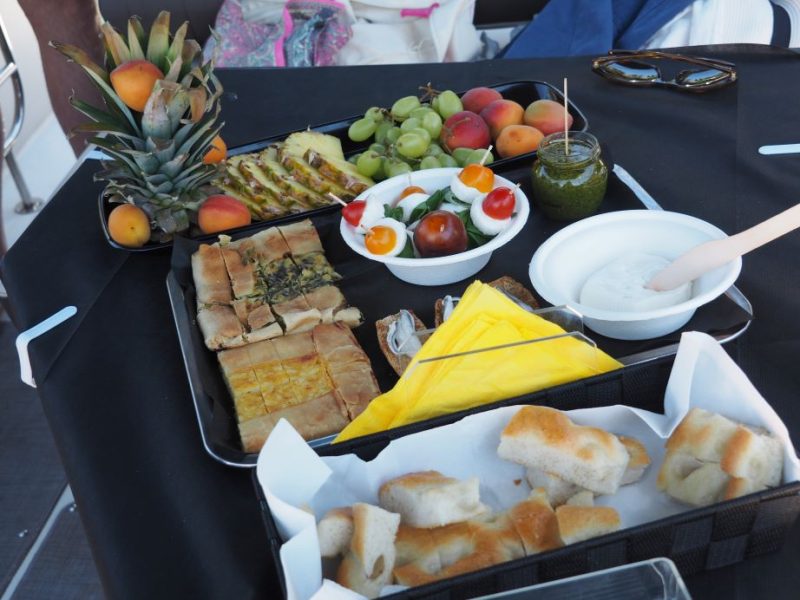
x=522 y=92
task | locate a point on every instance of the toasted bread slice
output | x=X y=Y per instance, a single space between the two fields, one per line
x=506 y=284
x=398 y=362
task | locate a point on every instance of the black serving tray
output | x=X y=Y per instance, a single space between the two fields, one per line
x=523 y=92
x=696 y=540
x=369 y=285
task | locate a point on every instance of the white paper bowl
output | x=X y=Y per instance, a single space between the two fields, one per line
x=564 y=262
x=443 y=269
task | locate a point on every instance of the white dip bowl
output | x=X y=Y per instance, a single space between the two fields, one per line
x=564 y=262
x=443 y=269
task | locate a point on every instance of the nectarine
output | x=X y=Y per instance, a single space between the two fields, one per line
x=547 y=116
x=499 y=114
x=221 y=212
x=476 y=99
x=465 y=130
x=129 y=226
x=134 y=80
x=518 y=139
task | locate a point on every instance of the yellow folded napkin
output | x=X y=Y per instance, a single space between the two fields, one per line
x=483 y=318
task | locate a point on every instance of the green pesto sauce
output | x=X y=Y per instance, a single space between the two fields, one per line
x=569 y=187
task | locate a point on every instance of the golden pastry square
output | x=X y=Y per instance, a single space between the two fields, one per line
x=211 y=281
x=301 y=237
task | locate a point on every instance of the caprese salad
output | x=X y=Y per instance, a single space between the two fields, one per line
x=466 y=214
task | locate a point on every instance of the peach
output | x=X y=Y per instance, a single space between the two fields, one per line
x=464 y=129
x=217 y=152
x=476 y=99
x=221 y=212
x=134 y=80
x=129 y=226
x=547 y=116
x=518 y=139
x=499 y=114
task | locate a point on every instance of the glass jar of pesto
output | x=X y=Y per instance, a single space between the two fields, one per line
x=569 y=186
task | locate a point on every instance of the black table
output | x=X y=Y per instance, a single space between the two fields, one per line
x=164 y=519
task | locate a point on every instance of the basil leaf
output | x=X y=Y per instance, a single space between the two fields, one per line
x=393 y=212
x=430 y=205
x=474 y=236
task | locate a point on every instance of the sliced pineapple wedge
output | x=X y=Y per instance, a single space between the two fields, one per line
x=303 y=172
x=301 y=142
x=281 y=176
x=324 y=153
x=255 y=169
x=343 y=172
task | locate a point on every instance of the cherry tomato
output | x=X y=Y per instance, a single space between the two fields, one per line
x=499 y=203
x=412 y=189
x=353 y=212
x=440 y=233
x=477 y=176
x=380 y=239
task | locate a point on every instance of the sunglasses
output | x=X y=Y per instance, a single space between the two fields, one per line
x=628 y=67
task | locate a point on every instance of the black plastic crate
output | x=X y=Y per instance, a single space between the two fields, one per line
x=696 y=540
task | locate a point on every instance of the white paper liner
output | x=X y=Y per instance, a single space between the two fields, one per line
x=296 y=480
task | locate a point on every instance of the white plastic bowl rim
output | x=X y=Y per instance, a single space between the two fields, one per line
x=541 y=255
x=432 y=176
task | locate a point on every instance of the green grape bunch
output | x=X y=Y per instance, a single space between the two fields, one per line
x=404 y=136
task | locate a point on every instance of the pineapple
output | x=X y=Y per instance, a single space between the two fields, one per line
x=156 y=136
x=324 y=153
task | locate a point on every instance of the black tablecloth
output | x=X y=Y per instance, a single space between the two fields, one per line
x=164 y=519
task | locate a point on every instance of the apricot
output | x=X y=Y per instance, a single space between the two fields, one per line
x=476 y=99
x=221 y=212
x=134 y=80
x=464 y=130
x=547 y=116
x=217 y=153
x=499 y=114
x=129 y=226
x=518 y=139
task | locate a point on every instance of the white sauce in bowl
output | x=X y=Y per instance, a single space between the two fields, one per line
x=620 y=285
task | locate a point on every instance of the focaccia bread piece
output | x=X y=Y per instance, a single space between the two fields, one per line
x=584 y=498
x=367 y=567
x=556 y=489
x=301 y=237
x=711 y=458
x=579 y=523
x=535 y=523
x=211 y=282
x=429 y=499
x=335 y=530
x=545 y=438
x=398 y=362
x=639 y=459
x=220 y=326
x=242 y=274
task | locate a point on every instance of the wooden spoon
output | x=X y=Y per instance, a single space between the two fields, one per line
x=710 y=255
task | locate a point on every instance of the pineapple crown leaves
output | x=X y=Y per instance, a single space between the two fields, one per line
x=156 y=157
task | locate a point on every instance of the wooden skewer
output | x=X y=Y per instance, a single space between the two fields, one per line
x=335 y=197
x=486 y=154
x=566 y=118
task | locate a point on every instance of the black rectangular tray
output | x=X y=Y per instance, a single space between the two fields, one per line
x=696 y=540
x=369 y=286
x=523 y=92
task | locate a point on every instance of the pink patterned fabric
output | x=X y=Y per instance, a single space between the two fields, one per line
x=310 y=34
